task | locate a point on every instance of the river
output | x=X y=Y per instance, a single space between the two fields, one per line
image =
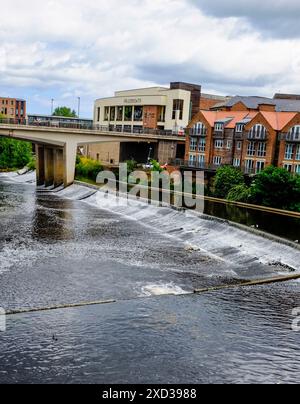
x=56 y=249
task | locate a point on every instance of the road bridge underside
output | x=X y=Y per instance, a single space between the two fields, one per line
x=56 y=150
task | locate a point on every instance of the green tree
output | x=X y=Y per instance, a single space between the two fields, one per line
x=131 y=165
x=64 y=111
x=156 y=166
x=226 y=178
x=14 y=153
x=240 y=193
x=277 y=188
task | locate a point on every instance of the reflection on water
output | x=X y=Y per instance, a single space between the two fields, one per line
x=282 y=226
x=56 y=251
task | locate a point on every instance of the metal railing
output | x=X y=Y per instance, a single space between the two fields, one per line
x=92 y=127
x=194 y=164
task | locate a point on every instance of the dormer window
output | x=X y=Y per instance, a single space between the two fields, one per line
x=219 y=127
x=239 y=128
x=258 y=132
x=199 y=129
x=294 y=133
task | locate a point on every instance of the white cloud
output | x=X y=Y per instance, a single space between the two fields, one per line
x=64 y=49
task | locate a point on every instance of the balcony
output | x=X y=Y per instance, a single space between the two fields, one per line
x=289 y=137
x=219 y=134
x=195 y=132
x=239 y=135
x=256 y=135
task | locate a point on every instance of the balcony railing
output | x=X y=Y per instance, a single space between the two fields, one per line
x=197 y=132
x=289 y=137
x=219 y=134
x=193 y=164
x=256 y=135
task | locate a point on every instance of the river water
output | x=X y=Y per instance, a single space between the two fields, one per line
x=57 y=249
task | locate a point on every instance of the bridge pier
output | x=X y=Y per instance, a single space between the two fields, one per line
x=40 y=165
x=49 y=166
x=69 y=157
x=58 y=166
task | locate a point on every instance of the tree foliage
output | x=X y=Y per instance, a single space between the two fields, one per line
x=240 y=193
x=14 y=153
x=64 y=111
x=278 y=188
x=88 y=168
x=226 y=178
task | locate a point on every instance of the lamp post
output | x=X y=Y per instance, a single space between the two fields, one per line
x=79 y=107
x=52 y=106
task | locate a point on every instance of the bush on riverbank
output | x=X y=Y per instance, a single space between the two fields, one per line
x=273 y=187
x=14 y=154
x=88 y=168
x=226 y=178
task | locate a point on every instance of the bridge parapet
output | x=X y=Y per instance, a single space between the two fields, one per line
x=91 y=128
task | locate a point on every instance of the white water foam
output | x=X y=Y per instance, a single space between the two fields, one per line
x=218 y=239
x=162 y=289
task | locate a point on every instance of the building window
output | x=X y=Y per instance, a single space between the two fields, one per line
x=294 y=133
x=297 y=153
x=260 y=166
x=249 y=166
x=119 y=114
x=262 y=149
x=128 y=128
x=251 y=149
x=106 y=113
x=288 y=167
x=219 y=144
x=178 y=109
x=112 y=114
x=98 y=114
x=202 y=145
x=193 y=144
x=217 y=160
x=239 y=128
x=297 y=169
x=219 y=127
x=161 y=114
x=229 y=145
x=201 y=160
x=258 y=132
x=128 y=113
x=237 y=162
x=199 y=129
x=239 y=146
x=289 y=152
x=192 y=160
x=138 y=114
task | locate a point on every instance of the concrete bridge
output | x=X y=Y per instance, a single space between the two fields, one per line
x=56 y=148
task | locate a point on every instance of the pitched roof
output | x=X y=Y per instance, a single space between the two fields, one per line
x=278 y=120
x=281 y=104
x=231 y=117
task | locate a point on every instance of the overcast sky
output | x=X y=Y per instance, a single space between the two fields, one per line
x=63 y=49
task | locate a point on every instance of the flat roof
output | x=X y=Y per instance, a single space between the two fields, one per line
x=60 y=117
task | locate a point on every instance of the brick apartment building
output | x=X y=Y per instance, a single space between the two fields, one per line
x=249 y=135
x=12 y=108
